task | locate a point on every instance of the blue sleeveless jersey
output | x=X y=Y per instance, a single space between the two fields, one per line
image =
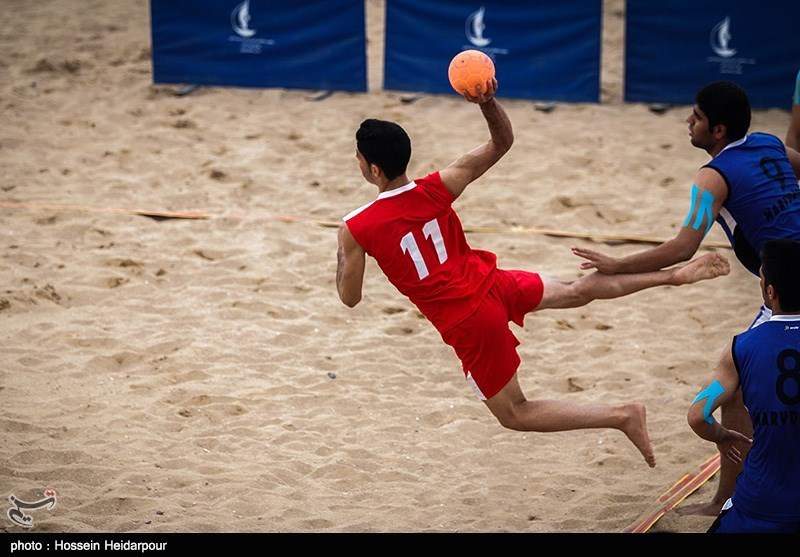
x=763 y=195
x=768 y=361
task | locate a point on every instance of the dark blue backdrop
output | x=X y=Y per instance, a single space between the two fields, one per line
x=673 y=48
x=299 y=44
x=545 y=50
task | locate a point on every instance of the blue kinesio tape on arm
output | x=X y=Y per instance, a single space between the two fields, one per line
x=704 y=209
x=712 y=392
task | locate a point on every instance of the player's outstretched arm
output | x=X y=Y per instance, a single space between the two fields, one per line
x=671 y=252
x=707 y=195
x=475 y=163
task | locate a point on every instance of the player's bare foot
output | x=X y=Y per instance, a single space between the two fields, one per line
x=636 y=430
x=710 y=265
x=700 y=509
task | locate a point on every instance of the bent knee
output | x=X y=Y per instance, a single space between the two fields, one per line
x=509 y=419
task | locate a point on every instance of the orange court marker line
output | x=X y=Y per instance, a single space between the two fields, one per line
x=679 y=491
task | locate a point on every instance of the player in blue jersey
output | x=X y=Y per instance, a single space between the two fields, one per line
x=750 y=187
x=765 y=362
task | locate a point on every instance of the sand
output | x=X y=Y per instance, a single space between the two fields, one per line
x=201 y=375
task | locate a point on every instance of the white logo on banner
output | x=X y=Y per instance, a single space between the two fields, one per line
x=240 y=21
x=474 y=28
x=720 y=37
x=720 y=40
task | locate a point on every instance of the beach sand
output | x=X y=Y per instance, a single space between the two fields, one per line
x=201 y=375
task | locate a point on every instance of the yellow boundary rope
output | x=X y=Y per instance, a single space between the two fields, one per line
x=196 y=215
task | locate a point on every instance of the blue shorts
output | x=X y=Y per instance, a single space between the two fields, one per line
x=484 y=342
x=732 y=520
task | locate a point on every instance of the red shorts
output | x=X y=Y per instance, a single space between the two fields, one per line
x=484 y=342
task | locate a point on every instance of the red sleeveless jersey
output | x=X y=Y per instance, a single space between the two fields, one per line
x=417 y=240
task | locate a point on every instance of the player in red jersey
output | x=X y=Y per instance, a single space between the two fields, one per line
x=416 y=238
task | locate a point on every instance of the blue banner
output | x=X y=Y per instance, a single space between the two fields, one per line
x=545 y=50
x=302 y=44
x=674 y=48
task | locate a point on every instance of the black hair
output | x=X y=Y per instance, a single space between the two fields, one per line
x=385 y=144
x=726 y=103
x=780 y=263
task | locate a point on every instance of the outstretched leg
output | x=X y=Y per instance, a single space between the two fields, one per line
x=599 y=286
x=514 y=411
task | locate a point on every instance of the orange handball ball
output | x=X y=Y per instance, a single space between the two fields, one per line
x=468 y=69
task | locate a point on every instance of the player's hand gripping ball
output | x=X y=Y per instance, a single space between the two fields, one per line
x=468 y=69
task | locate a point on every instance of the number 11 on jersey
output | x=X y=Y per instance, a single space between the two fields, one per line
x=409 y=245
